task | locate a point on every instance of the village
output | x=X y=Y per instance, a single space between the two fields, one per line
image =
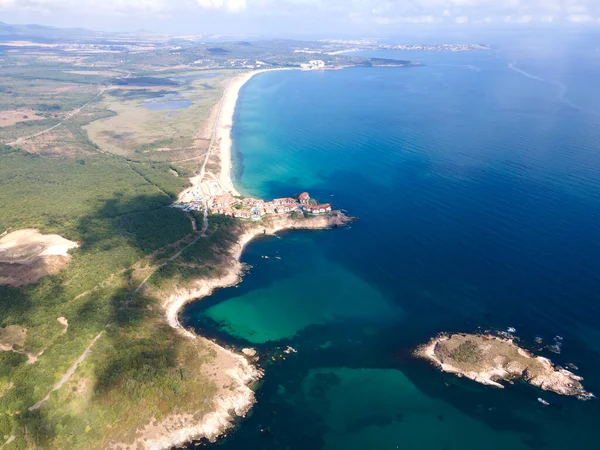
x=226 y=204
x=251 y=208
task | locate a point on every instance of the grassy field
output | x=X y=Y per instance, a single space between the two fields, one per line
x=120 y=218
x=103 y=178
x=142 y=134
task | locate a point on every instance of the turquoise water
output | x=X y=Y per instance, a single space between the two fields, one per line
x=478 y=195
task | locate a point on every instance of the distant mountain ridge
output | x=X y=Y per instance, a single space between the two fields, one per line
x=43 y=33
x=48 y=34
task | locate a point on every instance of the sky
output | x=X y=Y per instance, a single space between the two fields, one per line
x=297 y=17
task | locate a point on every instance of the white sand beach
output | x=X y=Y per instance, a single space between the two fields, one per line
x=235 y=370
x=225 y=124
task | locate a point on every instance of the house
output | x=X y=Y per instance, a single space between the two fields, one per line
x=283 y=201
x=242 y=214
x=304 y=198
x=253 y=202
x=285 y=209
x=221 y=210
x=317 y=209
x=268 y=208
x=223 y=201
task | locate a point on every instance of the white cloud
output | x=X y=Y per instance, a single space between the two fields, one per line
x=377 y=12
x=528 y=18
x=234 y=6
x=580 y=18
x=115 y=7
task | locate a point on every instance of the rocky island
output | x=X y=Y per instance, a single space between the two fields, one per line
x=489 y=359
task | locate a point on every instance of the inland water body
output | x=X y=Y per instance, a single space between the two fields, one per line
x=476 y=181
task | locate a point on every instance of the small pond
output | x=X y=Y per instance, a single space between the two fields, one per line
x=167 y=102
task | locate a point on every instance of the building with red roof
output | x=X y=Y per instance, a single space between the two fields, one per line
x=317 y=209
x=304 y=198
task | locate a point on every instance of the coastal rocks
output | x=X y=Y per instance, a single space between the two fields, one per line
x=249 y=352
x=234 y=399
x=488 y=359
x=235 y=372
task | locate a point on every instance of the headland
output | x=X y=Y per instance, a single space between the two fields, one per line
x=213 y=192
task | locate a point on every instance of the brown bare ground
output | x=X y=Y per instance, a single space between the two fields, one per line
x=13 y=336
x=10 y=118
x=26 y=256
x=58 y=142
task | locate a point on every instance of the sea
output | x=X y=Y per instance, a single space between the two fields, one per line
x=476 y=182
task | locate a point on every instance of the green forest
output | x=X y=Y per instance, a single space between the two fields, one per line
x=118 y=212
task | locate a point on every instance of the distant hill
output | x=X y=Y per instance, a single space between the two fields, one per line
x=42 y=33
x=47 y=34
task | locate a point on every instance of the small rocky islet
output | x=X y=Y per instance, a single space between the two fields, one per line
x=489 y=359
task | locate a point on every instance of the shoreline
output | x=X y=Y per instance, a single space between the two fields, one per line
x=240 y=369
x=177 y=430
x=225 y=124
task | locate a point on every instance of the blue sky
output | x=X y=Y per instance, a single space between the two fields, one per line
x=296 y=17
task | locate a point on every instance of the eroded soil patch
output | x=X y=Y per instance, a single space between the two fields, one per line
x=26 y=256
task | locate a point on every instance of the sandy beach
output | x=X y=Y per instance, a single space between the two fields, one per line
x=234 y=370
x=225 y=124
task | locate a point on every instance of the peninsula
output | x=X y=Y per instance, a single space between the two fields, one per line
x=489 y=359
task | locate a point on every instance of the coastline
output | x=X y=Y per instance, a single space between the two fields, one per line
x=225 y=124
x=236 y=371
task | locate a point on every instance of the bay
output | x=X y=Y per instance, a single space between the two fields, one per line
x=475 y=180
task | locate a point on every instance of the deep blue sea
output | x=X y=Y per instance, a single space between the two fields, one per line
x=477 y=188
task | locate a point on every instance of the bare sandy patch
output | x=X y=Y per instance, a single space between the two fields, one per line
x=102 y=73
x=12 y=337
x=64 y=322
x=26 y=256
x=12 y=117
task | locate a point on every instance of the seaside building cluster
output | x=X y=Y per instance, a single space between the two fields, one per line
x=191 y=200
x=315 y=64
x=252 y=208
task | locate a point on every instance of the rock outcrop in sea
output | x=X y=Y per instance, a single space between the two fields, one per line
x=489 y=359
